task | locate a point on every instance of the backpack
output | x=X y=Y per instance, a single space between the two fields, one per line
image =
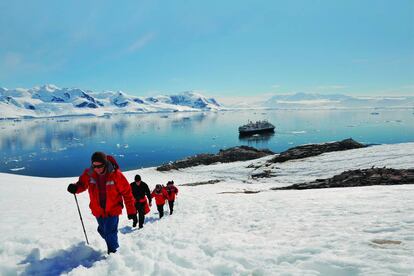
x=112 y=160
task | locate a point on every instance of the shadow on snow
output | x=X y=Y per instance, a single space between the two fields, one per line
x=61 y=261
x=129 y=229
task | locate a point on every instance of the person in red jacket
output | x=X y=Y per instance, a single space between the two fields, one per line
x=108 y=190
x=172 y=191
x=160 y=196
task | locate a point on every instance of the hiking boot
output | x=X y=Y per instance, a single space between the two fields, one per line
x=111 y=251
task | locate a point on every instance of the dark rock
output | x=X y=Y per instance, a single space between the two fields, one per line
x=356 y=178
x=316 y=149
x=87 y=96
x=264 y=174
x=241 y=153
x=383 y=241
x=214 y=181
x=92 y=105
x=57 y=100
x=241 y=192
x=87 y=104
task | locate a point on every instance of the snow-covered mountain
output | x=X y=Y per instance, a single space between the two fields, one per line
x=50 y=100
x=318 y=101
x=306 y=100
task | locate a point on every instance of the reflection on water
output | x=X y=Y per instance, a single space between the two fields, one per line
x=256 y=139
x=62 y=146
x=35 y=146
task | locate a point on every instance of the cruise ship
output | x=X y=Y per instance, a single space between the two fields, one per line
x=257 y=127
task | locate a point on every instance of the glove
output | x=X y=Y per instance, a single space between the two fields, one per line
x=72 y=188
x=133 y=217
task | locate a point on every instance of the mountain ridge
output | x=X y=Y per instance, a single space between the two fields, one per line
x=50 y=100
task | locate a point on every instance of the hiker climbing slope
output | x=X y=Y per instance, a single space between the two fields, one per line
x=172 y=191
x=107 y=188
x=140 y=190
x=160 y=195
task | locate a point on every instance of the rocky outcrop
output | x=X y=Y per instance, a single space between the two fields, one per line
x=355 y=178
x=315 y=149
x=241 y=192
x=241 y=153
x=213 y=181
x=263 y=174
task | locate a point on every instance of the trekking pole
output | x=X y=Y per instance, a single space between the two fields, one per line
x=80 y=215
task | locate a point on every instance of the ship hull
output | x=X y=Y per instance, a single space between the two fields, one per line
x=256 y=131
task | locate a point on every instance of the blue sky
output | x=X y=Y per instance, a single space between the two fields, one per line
x=227 y=48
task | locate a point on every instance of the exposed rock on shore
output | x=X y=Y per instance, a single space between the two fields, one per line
x=213 y=181
x=354 y=178
x=316 y=149
x=241 y=153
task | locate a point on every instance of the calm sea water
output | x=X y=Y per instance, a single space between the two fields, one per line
x=62 y=147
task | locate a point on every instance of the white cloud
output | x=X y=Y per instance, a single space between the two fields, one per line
x=243 y=100
x=331 y=87
x=141 y=42
x=12 y=60
x=408 y=87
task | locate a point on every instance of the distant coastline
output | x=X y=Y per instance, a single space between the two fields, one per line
x=223 y=109
x=50 y=101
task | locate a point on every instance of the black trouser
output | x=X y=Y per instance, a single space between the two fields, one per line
x=160 y=210
x=141 y=213
x=171 y=204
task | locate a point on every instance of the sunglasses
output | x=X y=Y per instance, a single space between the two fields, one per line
x=98 y=166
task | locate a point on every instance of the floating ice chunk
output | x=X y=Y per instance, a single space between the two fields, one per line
x=18 y=169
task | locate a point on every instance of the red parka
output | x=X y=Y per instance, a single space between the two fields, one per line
x=146 y=205
x=160 y=196
x=172 y=191
x=117 y=190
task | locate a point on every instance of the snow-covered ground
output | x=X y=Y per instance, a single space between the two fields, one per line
x=215 y=231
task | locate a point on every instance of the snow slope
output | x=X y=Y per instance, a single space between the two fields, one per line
x=213 y=232
x=50 y=100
